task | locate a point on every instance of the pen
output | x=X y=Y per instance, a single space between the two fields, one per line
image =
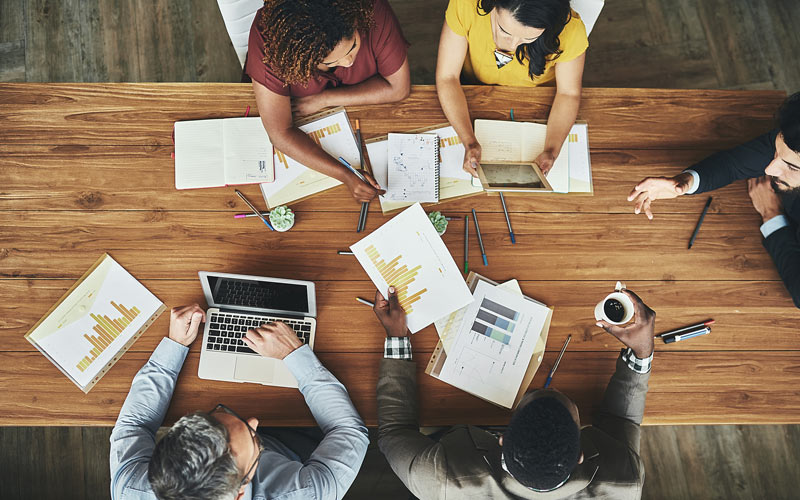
x=508 y=221
x=699 y=222
x=256 y=212
x=350 y=168
x=687 y=335
x=345 y=252
x=480 y=240
x=686 y=328
x=242 y=216
x=512 y=114
x=558 y=360
x=365 y=302
x=362 y=217
x=466 y=244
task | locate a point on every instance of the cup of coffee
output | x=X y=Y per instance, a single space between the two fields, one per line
x=616 y=308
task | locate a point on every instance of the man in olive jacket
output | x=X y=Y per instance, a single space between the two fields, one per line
x=543 y=453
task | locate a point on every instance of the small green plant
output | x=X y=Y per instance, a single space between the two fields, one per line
x=281 y=218
x=439 y=222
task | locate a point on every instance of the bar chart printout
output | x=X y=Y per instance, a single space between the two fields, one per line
x=107 y=330
x=91 y=325
x=408 y=254
x=400 y=278
x=495 y=321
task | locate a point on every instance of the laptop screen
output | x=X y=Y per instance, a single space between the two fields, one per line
x=236 y=292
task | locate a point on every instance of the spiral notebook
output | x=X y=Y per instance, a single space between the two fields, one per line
x=413 y=168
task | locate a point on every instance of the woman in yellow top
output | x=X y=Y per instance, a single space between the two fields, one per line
x=522 y=43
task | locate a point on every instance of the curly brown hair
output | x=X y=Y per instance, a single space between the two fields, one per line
x=298 y=34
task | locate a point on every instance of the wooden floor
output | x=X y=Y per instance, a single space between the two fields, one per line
x=742 y=44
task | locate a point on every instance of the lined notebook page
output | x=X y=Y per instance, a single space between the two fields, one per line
x=413 y=168
x=199 y=154
x=248 y=151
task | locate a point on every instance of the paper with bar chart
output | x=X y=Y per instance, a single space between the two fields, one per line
x=94 y=321
x=408 y=254
x=293 y=180
x=494 y=344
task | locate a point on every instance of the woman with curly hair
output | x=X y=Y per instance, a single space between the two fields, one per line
x=522 y=43
x=305 y=55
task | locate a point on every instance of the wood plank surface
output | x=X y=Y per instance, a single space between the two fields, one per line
x=87 y=170
x=710 y=388
x=123 y=114
x=769 y=307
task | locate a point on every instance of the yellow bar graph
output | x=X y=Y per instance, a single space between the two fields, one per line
x=107 y=330
x=449 y=141
x=282 y=159
x=398 y=275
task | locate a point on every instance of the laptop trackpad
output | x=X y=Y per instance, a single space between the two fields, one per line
x=254 y=369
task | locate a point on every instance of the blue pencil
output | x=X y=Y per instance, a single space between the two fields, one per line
x=255 y=211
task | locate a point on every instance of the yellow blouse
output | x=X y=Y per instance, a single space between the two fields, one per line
x=479 y=65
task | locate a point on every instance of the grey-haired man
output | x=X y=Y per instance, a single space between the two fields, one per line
x=219 y=455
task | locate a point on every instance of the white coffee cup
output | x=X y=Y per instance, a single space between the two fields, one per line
x=627 y=306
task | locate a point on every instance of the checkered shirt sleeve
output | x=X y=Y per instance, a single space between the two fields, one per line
x=397 y=348
x=636 y=364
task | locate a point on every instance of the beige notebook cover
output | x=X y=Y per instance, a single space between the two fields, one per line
x=95 y=322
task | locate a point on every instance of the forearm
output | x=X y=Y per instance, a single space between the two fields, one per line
x=374 y=90
x=562 y=117
x=295 y=143
x=454 y=105
x=621 y=412
x=742 y=162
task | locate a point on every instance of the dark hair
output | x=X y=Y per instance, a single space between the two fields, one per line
x=541 y=445
x=549 y=15
x=789 y=121
x=193 y=461
x=298 y=34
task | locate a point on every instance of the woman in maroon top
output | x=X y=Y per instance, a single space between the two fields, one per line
x=305 y=55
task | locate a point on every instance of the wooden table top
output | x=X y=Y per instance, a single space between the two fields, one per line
x=86 y=169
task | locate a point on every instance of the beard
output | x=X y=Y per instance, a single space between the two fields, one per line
x=784 y=189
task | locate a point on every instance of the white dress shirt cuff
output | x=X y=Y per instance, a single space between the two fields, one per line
x=170 y=354
x=695 y=181
x=773 y=225
x=302 y=362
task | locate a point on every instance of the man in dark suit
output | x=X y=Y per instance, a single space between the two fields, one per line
x=542 y=454
x=771 y=165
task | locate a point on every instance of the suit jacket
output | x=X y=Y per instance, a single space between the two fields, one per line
x=747 y=161
x=465 y=462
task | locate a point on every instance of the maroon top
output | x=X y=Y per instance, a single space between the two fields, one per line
x=383 y=50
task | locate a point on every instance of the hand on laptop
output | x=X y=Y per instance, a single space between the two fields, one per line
x=639 y=334
x=272 y=340
x=184 y=323
x=390 y=314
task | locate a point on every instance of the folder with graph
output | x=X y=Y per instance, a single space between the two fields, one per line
x=95 y=322
x=409 y=255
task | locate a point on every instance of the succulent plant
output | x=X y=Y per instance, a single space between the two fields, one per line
x=282 y=218
x=439 y=221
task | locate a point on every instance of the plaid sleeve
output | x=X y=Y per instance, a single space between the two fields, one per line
x=636 y=364
x=397 y=348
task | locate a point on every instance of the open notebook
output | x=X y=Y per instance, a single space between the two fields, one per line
x=413 y=168
x=222 y=152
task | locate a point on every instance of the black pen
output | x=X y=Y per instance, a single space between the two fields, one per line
x=699 y=222
x=480 y=240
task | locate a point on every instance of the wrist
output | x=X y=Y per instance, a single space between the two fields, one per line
x=767 y=215
x=185 y=342
x=685 y=179
x=643 y=352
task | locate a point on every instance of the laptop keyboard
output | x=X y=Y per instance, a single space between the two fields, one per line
x=227 y=329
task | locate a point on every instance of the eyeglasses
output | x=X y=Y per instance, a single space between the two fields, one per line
x=253 y=434
x=559 y=485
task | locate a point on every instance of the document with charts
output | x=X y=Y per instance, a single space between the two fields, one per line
x=408 y=254
x=97 y=320
x=454 y=182
x=294 y=181
x=495 y=343
x=222 y=152
x=503 y=140
x=413 y=168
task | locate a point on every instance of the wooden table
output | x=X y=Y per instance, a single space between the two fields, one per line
x=86 y=169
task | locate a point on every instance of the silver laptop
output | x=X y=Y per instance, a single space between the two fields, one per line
x=238 y=302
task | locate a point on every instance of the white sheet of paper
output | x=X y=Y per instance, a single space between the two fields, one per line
x=199 y=154
x=407 y=253
x=248 y=151
x=494 y=344
x=580 y=166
